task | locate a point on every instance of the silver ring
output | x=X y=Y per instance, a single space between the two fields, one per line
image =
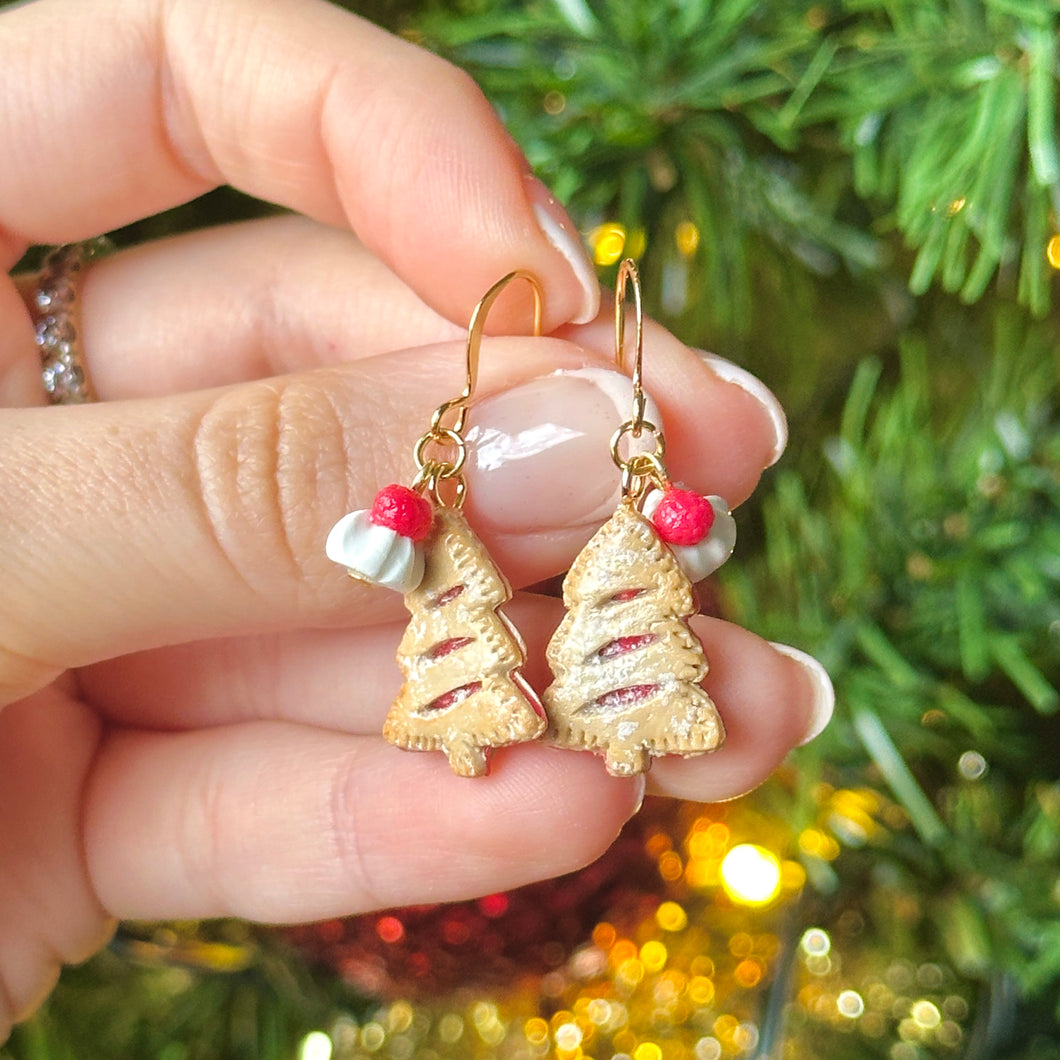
x=53 y=305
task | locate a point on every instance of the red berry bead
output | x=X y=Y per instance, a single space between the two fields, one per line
x=403 y=510
x=683 y=517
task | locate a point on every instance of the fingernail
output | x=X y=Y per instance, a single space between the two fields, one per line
x=561 y=232
x=733 y=373
x=640 y=786
x=823 y=692
x=540 y=453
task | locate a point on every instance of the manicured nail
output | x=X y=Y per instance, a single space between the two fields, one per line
x=823 y=692
x=640 y=786
x=540 y=453
x=560 y=231
x=733 y=373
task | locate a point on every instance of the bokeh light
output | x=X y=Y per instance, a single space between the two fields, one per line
x=1052 y=251
x=316 y=1045
x=686 y=236
x=750 y=874
x=608 y=242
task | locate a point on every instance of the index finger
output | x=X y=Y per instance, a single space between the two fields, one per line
x=115 y=109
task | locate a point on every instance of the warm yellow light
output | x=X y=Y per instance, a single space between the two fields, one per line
x=483 y=1013
x=671 y=917
x=751 y=874
x=653 y=955
x=700 y=990
x=670 y=866
x=568 y=1037
x=792 y=875
x=818 y=844
x=686 y=236
x=1052 y=251
x=707 y=1049
x=701 y=873
x=724 y=1026
x=608 y=242
x=748 y=973
x=400 y=1017
x=712 y=842
x=316 y=1045
x=599 y=1011
x=926 y=1014
x=647 y=1051
x=604 y=935
x=536 y=1031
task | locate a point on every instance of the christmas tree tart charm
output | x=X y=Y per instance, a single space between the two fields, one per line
x=464 y=692
x=626 y=665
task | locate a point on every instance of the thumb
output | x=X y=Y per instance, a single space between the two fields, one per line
x=294 y=101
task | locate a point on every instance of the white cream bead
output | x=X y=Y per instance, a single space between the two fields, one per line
x=375 y=554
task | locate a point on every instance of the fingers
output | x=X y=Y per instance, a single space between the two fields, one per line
x=20 y=363
x=240 y=302
x=686 y=415
x=281 y=295
x=770 y=698
x=203 y=514
x=343 y=680
x=279 y=823
x=293 y=101
x=147 y=523
x=48 y=912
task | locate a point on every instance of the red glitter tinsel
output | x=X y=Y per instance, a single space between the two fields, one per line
x=422 y=951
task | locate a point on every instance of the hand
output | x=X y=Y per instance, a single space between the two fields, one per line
x=192 y=693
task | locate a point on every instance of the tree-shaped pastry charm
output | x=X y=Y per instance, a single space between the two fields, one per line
x=626 y=664
x=463 y=692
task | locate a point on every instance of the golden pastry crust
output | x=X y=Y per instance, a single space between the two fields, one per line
x=463 y=692
x=627 y=667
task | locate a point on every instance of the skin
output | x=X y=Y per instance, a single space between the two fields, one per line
x=190 y=692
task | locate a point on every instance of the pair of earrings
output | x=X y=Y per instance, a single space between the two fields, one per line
x=625 y=663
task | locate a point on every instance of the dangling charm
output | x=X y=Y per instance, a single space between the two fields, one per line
x=463 y=692
x=626 y=664
x=461 y=658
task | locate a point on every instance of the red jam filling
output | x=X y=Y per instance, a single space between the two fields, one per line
x=457 y=695
x=623 y=645
x=625 y=596
x=626 y=697
x=447 y=647
x=448 y=596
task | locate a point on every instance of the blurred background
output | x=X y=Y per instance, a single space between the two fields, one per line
x=860 y=202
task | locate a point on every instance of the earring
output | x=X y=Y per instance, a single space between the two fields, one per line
x=461 y=658
x=626 y=665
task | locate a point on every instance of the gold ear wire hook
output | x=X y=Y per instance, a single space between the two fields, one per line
x=433 y=471
x=628 y=274
x=646 y=467
x=474 y=343
x=478 y=321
